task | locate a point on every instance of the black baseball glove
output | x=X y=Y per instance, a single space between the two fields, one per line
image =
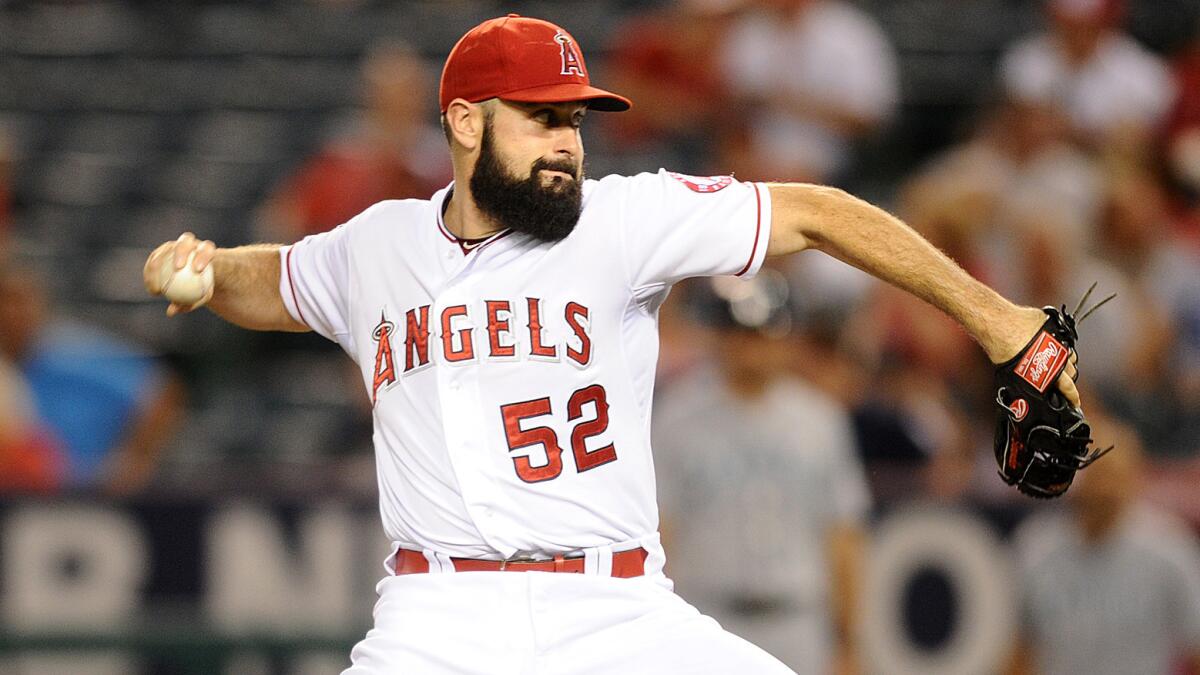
x=1041 y=439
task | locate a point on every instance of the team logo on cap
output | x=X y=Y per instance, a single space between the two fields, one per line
x=572 y=64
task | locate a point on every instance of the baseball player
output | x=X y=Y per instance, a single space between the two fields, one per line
x=795 y=501
x=506 y=333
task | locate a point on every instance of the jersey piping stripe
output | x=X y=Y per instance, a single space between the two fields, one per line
x=495 y=237
x=455 y=240
x=757 y=230
x=442 y=227
x=292 y=285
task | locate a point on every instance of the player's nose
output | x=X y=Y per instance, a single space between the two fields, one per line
x=568 y=145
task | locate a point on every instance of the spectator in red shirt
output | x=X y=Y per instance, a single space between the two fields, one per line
x=112 y=407
x=1183 y=138
x=30 y=458
x=392 y=151
x=667 y=61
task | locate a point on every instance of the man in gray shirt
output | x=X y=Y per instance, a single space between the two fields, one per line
x=1112 y=584
x=762 y=495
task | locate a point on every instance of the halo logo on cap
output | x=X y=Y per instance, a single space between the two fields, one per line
x=521 y=59
x=572 y=63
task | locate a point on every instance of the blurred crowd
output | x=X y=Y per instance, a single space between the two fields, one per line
x=1078 y=163
x=1079 y=166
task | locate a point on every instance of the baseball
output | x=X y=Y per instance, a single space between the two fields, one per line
x=184 y=286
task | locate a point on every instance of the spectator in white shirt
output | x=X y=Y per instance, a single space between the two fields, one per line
x=1103 y=81
x=815 y=75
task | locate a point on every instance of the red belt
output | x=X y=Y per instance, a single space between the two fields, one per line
x=625 y=564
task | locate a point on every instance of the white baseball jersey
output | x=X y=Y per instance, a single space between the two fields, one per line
x=512 y=379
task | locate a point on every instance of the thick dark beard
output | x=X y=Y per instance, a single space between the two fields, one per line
x=548 y=213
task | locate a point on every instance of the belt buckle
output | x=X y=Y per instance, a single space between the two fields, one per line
x=516 y=559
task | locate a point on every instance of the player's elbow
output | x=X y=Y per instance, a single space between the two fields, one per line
x=278 y=320
x=283 y=324
x=801 y=214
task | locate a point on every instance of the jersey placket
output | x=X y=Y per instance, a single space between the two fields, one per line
x=464 y=418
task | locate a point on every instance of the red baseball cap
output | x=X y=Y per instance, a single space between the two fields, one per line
x=518 y=58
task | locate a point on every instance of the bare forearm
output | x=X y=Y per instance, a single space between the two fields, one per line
x=880 y=244
x=247 y=288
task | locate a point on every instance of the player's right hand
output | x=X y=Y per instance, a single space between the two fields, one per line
x=177 y=251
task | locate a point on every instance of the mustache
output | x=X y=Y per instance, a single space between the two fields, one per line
x=564 y=165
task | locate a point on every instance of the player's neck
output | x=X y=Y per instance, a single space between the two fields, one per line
x=464 y=219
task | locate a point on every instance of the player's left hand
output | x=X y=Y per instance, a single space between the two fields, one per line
x=1042 y=437
x=1026 y=324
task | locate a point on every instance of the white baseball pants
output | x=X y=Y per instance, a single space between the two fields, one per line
x=541 y=623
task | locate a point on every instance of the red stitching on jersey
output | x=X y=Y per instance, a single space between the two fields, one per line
x=457 y=240
x=442 y=226
x=757 y=230
x=494 y=238
x=479 y=243
x=292 y=285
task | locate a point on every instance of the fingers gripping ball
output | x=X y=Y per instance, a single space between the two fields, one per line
x=184 y=286
x=1041 y=440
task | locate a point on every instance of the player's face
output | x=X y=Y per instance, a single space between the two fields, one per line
x=529 y=171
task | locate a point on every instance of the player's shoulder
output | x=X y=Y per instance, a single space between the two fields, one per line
x=659 y=181
x=392 y=211
x=386 y=217
x=614 y=194
x=615 y=182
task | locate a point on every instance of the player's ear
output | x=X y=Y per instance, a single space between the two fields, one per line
x=465 y=122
